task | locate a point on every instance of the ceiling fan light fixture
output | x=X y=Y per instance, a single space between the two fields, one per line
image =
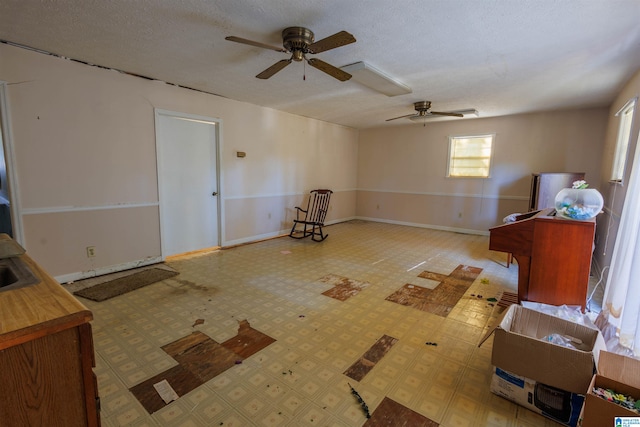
x=300 y=41
x=422 y=118
x=375 y=79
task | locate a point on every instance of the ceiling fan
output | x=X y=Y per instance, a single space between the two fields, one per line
x=423 y=109
x=299 y=41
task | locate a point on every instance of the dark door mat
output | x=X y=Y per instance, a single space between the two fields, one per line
x=122 y=285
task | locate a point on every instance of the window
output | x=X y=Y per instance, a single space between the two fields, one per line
x=470 y=156
x=624 y=133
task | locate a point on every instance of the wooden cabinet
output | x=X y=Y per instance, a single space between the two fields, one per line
x=545 y=186
x=553 y=254
x=561 y=262
x=46 y=357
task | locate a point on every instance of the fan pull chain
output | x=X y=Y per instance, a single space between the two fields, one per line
x=304 y=70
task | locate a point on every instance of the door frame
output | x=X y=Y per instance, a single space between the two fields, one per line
x=219 y=200
x=10 y=163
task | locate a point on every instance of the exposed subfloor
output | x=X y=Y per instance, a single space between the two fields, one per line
x=317 y=320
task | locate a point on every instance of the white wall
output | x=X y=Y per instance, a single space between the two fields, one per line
x=85 y=160
x=614 y=194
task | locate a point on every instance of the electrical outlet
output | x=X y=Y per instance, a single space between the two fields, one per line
x=91 y=251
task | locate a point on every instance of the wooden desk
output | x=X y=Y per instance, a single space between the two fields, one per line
x=553 y=254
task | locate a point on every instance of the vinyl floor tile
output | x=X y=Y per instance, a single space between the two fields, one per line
x=297 y=376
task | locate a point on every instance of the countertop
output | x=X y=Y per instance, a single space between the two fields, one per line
x=38 y=310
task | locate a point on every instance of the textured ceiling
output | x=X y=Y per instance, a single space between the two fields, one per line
x=497 y=56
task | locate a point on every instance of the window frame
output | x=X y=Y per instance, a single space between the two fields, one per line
x=453 y=138
x=621 y=150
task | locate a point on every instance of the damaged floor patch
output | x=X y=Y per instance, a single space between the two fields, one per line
x=343 y=287
x=362 y=366
x=444 y=297
x=200 y=359
x=391 y=413
x=248 y=341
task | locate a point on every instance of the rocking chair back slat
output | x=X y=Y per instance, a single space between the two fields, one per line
x=318 y=211
x=314 y=216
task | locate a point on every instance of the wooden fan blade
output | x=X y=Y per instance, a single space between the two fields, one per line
x=338 y=39
x=441 y=113
x=334 y=72
x=274 y=69
x=402 y=117
x=256 y=44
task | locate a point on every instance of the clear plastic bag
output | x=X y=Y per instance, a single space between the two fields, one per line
x=563 y=341
x=567 y=312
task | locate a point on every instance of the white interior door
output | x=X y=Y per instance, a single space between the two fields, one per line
x=187 y=150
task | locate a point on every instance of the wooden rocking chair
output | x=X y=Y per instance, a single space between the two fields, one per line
x=313 y=219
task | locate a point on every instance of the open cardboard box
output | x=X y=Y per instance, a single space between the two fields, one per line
x=561 y=406
x=518 y=348
x=618 y=373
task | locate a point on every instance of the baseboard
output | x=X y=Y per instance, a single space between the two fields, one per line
x=266 y=236
x=252 y=239
x=432 y=227
x=66 y=278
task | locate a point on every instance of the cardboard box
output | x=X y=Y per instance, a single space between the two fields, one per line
x=559 y=405
x=618 y=373
x=518 y=348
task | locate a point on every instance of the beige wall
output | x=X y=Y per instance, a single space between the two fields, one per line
x=402 y=170
x=85 y=162
x=614 y=194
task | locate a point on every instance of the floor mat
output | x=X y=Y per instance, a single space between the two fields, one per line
x=122 y=285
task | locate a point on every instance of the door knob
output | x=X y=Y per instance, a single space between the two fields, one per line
x=215 y=193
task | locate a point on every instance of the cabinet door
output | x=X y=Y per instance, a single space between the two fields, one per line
x=87 y=355
x=41 y=382
x=560 y=262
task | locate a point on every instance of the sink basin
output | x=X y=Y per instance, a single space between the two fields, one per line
x=15 y=273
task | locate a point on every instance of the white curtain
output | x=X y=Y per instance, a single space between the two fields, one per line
x=620 y=317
